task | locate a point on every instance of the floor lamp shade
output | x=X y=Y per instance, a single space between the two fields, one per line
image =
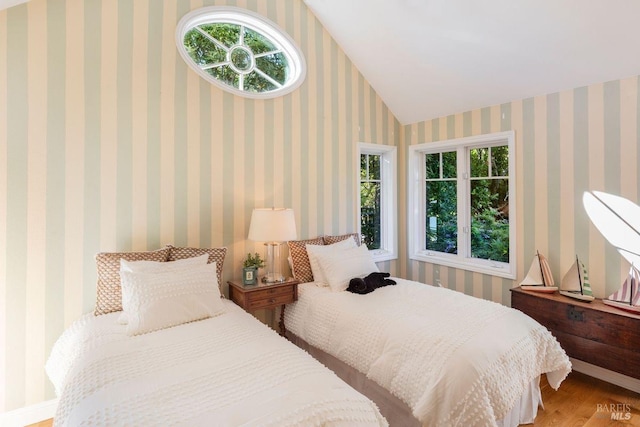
x=272 y=226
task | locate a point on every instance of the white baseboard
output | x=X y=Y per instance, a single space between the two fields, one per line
x=29 y=414
x=621 y=380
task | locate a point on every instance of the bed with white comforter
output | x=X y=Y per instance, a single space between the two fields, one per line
x=229 y=370
x=455 y=360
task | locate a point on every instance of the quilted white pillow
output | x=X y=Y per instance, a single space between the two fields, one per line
x=161 y=300
x=314 y=250
x=340 y=267
x=158 y=268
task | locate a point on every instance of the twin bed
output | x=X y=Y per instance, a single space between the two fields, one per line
x=158 y=352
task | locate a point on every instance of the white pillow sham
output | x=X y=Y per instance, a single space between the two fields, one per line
x=161 y=300
x=339 y=267
x=158 y=268
x=314 y=250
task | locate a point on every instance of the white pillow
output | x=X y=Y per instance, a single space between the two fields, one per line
x=340 y=267
x=314 y=250
x=161 y=300
x=156 y=267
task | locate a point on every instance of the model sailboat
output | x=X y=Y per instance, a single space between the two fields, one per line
x=539 y=277
x=575 y=284
x=628 y=296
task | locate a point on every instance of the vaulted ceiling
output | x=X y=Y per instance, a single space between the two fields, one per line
x=432 y=58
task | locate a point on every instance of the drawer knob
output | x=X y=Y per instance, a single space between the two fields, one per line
x=272 y=300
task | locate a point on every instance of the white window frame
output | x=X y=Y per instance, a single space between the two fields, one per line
x=416 y=232
x=256 y=22
x=388 y=199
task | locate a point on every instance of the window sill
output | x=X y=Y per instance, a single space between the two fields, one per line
x=380 y=255
x=498 y=270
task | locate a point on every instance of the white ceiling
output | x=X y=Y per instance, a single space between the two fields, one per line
x=432 y=58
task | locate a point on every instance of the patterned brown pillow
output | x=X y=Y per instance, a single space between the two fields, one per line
x=330 y=240
x=109 y=293
x=300 y=266
x=216 y=255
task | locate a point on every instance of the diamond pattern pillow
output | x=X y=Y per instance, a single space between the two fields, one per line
x=330 y=240
x=216 y=255
x=109 y=292
x=300 y=265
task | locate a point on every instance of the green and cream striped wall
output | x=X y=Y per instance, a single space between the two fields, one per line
x=108 y=141
x=567 y=143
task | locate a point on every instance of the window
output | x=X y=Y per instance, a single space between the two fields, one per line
x=240 y=51
x=462 y=203
x=378 y=200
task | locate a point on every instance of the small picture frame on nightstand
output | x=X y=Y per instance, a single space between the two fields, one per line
x=249 y=276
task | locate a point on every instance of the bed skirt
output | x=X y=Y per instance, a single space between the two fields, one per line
x=395 y=410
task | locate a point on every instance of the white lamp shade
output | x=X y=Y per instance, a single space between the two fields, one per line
x=272 y=225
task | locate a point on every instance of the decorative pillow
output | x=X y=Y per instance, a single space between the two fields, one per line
x=314 y=250
x=161 y=300
x=330 y=240
x=109 y=296
x=301 y=268
x=155 y=268
x=216 y=255
x=340 y=267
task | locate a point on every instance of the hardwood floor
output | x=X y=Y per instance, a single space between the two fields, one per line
x=581 y=401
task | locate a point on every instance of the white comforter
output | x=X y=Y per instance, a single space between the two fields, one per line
x=225 y=371
x=454 y=359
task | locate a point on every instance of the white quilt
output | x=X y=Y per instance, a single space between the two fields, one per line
x=455 y=360
x=229 y=370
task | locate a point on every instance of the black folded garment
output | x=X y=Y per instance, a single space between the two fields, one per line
x=370 y=283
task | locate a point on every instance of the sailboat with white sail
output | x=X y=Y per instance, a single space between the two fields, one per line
x=575 y=283
x=628 y=296
x=539 y=278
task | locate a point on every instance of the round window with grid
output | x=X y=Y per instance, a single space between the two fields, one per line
x=240 y=51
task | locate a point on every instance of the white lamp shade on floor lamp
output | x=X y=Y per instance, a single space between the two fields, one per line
x=272 y=226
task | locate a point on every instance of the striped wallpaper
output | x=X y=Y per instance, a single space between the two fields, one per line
x=108 y=141
x=567 y=143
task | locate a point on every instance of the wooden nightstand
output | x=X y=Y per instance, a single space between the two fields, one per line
x=264 y=296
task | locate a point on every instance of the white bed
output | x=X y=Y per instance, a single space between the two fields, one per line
x=448 y=358
x=227 y=370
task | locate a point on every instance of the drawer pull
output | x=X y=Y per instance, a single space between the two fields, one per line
x=272 y=300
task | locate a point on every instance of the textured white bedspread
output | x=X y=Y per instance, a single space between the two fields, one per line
x=229 y=370
x=455 y=360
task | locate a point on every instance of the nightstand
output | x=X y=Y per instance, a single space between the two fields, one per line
x=264 y=296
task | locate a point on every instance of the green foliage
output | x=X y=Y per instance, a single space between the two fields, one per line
x=209 y=44
x=253 y=261
x=370 y=202
x=489 y=226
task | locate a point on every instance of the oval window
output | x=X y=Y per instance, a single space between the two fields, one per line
x=240 y=51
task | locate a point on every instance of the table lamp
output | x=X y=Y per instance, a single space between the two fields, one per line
x=272 y=226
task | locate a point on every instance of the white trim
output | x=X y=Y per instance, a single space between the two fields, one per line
x=256 y=22
x=603 y=374
x=389 y=198
x=29 y=414
x=416 y=202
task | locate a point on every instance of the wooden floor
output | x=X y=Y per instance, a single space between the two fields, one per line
x=580 y=401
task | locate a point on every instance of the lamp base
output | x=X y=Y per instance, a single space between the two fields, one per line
x=273 y=275
x=266 y=279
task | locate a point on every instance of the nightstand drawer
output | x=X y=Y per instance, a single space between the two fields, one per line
x=271 y=301
x=271 y=292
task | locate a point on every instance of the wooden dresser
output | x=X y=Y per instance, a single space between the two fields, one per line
x=592 y=332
